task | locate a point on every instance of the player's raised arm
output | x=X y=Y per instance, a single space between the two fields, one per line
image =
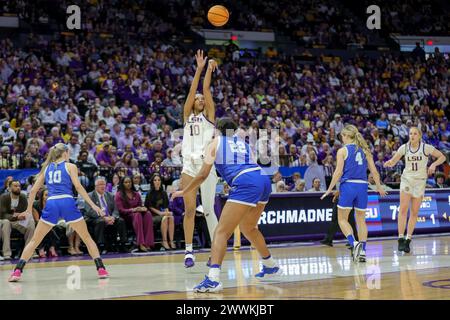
x=376 y=175
x=210 y=109
x=440 y=159
x=73 y=172
x=396 y=158
x=340 y=158
x=204 y=171
x=189 y=104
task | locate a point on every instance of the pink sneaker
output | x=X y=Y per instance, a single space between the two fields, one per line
x=15 y=276
x=102 y=273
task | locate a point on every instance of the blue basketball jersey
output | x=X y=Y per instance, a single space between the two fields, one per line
x=57 y=179
x=233 y=157
x=355 y=165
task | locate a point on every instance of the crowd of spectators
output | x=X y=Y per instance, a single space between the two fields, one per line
x=118 y=106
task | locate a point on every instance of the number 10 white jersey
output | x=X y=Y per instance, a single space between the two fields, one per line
x=198 y=132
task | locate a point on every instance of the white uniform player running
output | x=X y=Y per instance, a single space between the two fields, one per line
x=413 y=181
x=198 y=118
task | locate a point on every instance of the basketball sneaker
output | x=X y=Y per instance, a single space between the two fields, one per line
x=356 y=251
x=207 y=285
x=189 y=259
x=407 y=249
x=362 y=256
x=102 y=273
x=15 y=276
x=401 y=244
x=268 y=273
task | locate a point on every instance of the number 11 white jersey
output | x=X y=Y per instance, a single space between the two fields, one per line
x=198 y=132
x=416 y=162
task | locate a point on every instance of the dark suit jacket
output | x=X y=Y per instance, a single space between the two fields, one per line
x=5 y=206
x=109 y=198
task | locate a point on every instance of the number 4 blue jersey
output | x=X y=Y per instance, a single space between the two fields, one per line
x=57 y=179
x=233 y=158
x=355 y=165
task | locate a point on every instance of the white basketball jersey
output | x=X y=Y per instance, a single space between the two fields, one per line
x=416 y=160
x=198 y=132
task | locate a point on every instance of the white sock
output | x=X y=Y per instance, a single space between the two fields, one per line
x=408 y=237
x=189 y=247
x=400 y=236
x=214 y=274
x=269 y=262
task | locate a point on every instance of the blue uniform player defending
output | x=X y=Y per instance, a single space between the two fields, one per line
x=250 y=190
x=59 y=176
x=352 y=162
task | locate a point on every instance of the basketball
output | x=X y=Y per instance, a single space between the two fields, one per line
x=218 y=15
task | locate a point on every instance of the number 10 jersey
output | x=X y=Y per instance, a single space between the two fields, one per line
x=198 y=132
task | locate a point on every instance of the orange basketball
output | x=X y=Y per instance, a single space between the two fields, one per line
x=218 y=15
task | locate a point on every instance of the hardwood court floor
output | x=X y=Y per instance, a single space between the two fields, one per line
x=311 y=271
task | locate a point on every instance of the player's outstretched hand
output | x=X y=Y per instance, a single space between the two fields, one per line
x=382 y=192
x=201 y=61
x=325 y=195
x=388 y=164
x=176 y=194
x=99 y=211
x=212 y=64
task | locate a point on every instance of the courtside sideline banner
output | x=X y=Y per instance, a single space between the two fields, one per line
x=303 y=216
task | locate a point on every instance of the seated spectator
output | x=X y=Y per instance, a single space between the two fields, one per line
x=280 y=187
x=275 y=179
x=440 y=181
x=114 y=185
x=138 y=181
x=12 y=206
x=51 y=241
x=157 y=202
x=87 y=170
x=299 y=186
x=156 y=165
x=314 y=171
x=5 y=188
x=295 y=177
x=129 y=204
x=8 y=160
x=316 y=187
x=111 y=224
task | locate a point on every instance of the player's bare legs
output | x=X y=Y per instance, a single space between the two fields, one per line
x=413 y=215
x=360 y=248
x=39 y=234
x=231 y=216
x=249 y=227
x=361 y=225
x=405 y=199
x=190 y=205
x=80 y=227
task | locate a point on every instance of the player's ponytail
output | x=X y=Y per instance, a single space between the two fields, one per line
x=54 y=154
x=353 y=134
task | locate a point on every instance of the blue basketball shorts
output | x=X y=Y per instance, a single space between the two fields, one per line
x=251 y=188
x=58 y=208
x=353 y=195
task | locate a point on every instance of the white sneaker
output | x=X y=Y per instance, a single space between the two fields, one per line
x=362 y=255
x=356 y=251
x=1 y=258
